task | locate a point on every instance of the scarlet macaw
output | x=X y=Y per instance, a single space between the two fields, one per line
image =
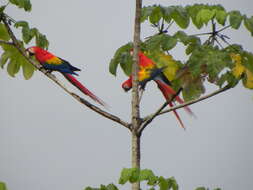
x=52 y=63
x=148 y=71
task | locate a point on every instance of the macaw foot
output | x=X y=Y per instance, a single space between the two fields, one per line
x=48 y=71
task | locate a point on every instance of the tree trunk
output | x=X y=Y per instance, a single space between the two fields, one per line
x=135 y=94
x=136 y=156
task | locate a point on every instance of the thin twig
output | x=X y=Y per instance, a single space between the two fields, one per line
x=150 y=118
x=53 y=78
x=7 y=43
x=193 y=101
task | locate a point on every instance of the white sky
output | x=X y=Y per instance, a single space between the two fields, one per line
x=49 y=141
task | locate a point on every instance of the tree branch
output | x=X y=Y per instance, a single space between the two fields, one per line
x=5 y=42
x=53 y=78
x=150 y=118
x=191 y=102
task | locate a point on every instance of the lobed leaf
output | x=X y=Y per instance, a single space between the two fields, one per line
x=4 y=33
x=248 y=23
x=25 y=4
x=235 y=19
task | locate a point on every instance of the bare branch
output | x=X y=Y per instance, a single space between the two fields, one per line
x=151 y=117
x=192 y=102
x=53 y=78
x=5 y=42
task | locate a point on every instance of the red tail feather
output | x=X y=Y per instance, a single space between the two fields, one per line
x=177 y=116
x=168 y=91
x=83 y=89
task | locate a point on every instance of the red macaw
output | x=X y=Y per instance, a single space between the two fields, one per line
x=52 y=63
x=148 y=71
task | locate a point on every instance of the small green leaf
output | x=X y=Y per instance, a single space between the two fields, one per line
x=3 y=186
x=21 y=24
x=25 y=4
x=248 y=22
x=4 y=57
x=126 y=62
x=2 y=9
x=181 y=17
x=173 y=183
x=111 y=187
x=156 y=15
x=125 y=175
x=235 y=19
x=148 y=175
x=146 y=12
x=193 y=11
x=168 y=42
x=13 y=68
x=26 y=35
x=41 y=40
x=117 y=58
x=28 y=70
x=204 y=16
x=200 y=188
x=163 y=183
x=4 y=33
x=221 y=16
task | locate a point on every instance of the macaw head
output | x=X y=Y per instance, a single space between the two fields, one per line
x=33 y=50
x=127 y=85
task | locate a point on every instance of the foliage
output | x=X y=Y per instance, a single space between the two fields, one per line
x=11 y=56
x=152 y=181
x=209 y=59
x=3 y=186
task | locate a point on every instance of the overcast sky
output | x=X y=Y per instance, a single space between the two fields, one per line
x=50 y=141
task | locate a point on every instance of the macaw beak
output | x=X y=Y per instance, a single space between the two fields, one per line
x=28 y=53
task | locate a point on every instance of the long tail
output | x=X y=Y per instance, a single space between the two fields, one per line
x=83 y=89
x=167 y=92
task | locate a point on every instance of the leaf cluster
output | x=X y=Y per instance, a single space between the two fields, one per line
x=11 y=57
x=208 y=60
x=152 y=181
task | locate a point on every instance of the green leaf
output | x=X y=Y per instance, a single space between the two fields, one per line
x=3 y=186
x=28 y=70
x=201 y=188
x=41 y=40
x=248 y=22
x=13 y=68
x=247 y=60
x=221 y=16
x=2 y=8
x=126 y=62
x=111 y=187
x=4 y=33
x=21 y=24
x=180 y=16
x=193 y=11
x=117 y=58
x=173 y=183
x=204 y=16
x=163 y=183
x=125 y=175
x=168 y=42
x=156 y=15
x=146 y=12
x=4 y=57
x=167 y=13
x=229 y=79
x=25 y=4
x=26 y=35
x=148 y=175
x=235 y=19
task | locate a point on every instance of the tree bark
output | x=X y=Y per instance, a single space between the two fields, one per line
x=135 y=94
